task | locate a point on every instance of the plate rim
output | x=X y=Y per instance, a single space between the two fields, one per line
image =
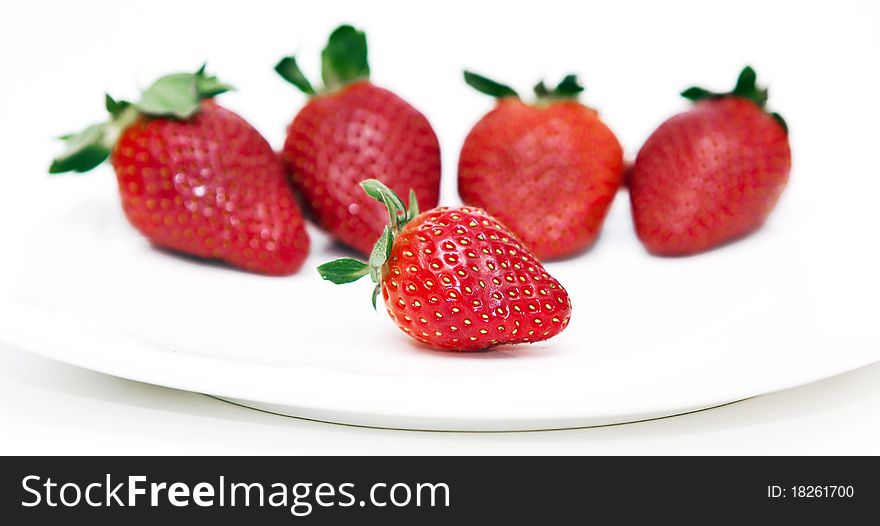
x=65 y=344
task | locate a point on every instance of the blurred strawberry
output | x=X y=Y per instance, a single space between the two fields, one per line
x=351 y=130
x=195 y=177
x=711 y=174
x=549 y=170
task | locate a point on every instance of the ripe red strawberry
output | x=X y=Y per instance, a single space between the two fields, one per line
x=352 y=130
x=195 y=177
x=711 y=174
x=547 y=170
x=456 y=279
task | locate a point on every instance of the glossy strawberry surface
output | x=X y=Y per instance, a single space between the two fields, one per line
x=358 y=132
x=210 y=187
x=456 y=279
x=708 y=176
x=547 y=171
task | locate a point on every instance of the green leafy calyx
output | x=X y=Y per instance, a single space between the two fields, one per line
x=176 y=96
x=343 y=61
x=179 y=95
x=568 y=88
x=746 y=88
x=346 y=270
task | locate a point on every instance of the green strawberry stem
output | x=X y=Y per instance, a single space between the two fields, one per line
x=746 y=88
x=347 y=270
x=175 y=96
x=343 y=61
x=569 y=88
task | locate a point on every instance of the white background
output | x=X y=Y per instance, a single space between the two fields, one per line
x=659 y=47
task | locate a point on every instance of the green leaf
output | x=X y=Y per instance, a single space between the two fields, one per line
x=180 y=95
x=175 y=95
x=344 y=58
x=382 y=248
x=747 y=87
x=343 y=270
x=746 y=81
x=396 y=213
x=413 y=210
x=695 y=94
x=84 y=151
x=396 y=209
x=488 y=86
x=82 y=160
x=780 y=120
x=541 y=90
x=374 y=188
x=208 y=86
x=569 y=88
x=375 y=295
x=289 y=71
x=115 y=107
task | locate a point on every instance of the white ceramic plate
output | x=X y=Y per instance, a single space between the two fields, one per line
x=649 y=337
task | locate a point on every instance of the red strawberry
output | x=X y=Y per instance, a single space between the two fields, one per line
x=456 y=279
x=195 y=177
x=352 y=130
x=548 y=170
x=711 y=174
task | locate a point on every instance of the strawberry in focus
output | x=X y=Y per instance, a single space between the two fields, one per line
x=195 y=177
x=547 y=170
x=456 y=279
x=351 y=130
x=712 y=174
